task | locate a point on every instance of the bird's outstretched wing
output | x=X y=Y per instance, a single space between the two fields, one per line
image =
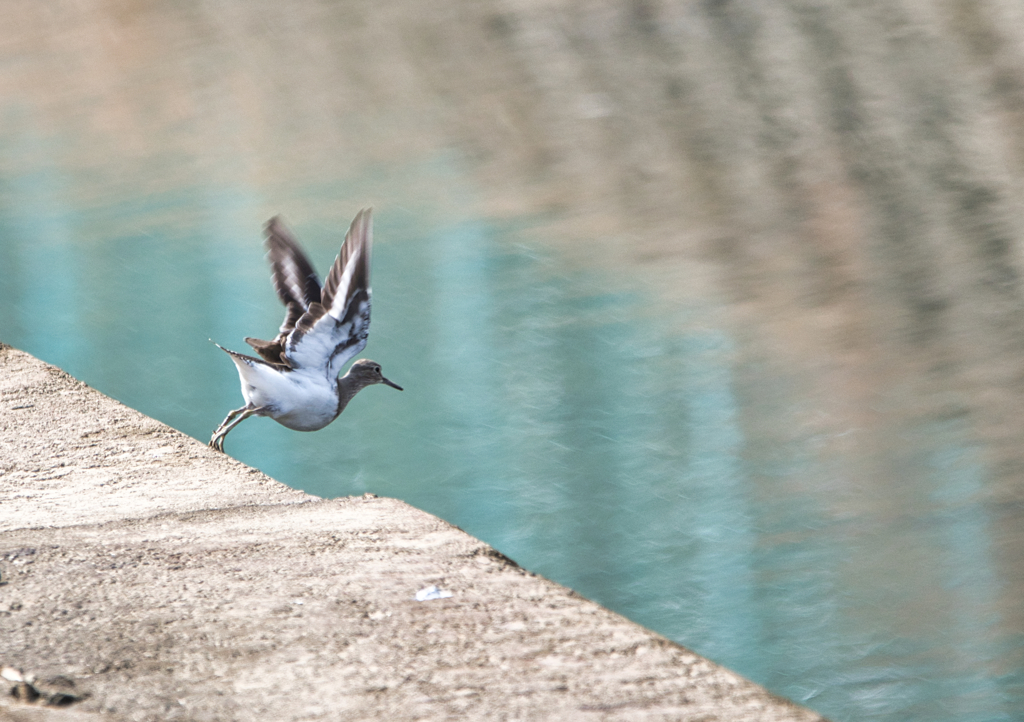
x=295 y=281
x=294 y=278
x=333 y=330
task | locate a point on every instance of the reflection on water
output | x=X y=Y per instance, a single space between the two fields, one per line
x=827 y=529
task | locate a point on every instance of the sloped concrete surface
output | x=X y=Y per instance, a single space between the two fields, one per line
x=182 y=585
x=70 y=455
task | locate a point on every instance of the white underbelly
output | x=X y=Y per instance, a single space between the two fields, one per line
x=299 y=401
x=307 y=419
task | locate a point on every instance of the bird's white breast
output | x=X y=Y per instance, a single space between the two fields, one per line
x=301 y=400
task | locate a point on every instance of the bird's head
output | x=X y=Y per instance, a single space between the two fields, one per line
x=366 y=372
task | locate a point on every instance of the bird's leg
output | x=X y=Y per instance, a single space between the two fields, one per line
x=230 y=422
x=231 y=415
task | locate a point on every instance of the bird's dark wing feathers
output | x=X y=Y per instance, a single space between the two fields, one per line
x=250 y=360
x=296 y=283
x=333 y=330
x=294 y=279
x=357 y=320
x=351 y=270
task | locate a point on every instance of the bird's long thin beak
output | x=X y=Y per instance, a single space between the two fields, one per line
x=392 y=384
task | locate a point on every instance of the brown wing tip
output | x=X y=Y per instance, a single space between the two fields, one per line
x=276 y=233
x=362 y=224
x=274 y=225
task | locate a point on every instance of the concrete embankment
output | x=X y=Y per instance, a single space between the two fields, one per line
x=145 y=577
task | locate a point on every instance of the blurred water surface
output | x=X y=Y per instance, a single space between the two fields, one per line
x=630 y=443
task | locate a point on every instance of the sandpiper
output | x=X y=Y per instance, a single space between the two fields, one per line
x=296 y=381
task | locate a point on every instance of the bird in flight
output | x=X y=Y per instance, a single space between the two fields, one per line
x=295 y=381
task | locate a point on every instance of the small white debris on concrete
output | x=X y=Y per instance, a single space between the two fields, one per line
x=430 y=593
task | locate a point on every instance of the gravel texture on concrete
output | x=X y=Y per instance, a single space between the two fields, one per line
x=145 y=577
x=70 y=455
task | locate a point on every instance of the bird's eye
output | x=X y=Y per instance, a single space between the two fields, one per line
x=376 y=369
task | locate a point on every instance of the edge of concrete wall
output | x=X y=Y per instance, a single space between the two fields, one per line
x=146 y=577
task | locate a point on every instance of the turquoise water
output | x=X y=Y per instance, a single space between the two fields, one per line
x=592 y=435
